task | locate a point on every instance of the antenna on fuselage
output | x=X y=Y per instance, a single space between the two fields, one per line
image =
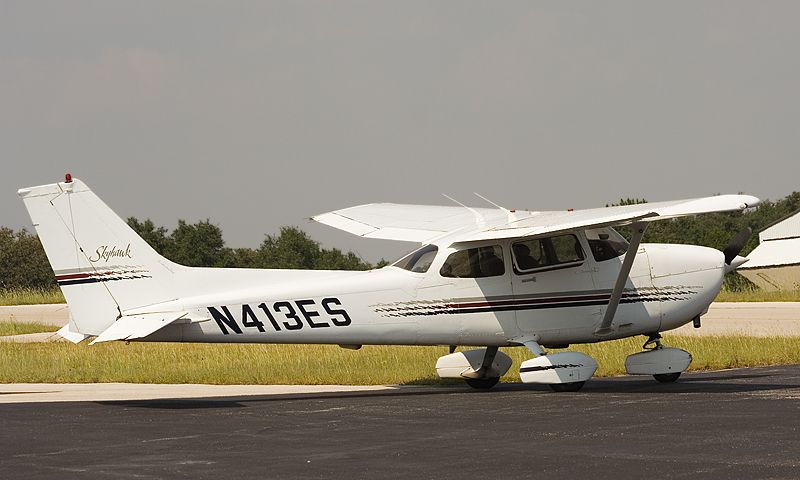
x=490 y=202
x=510 y=213
x=478 y=217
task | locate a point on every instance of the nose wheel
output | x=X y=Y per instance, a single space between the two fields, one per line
x=665 y=364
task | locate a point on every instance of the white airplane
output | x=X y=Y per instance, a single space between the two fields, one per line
x=484 y=277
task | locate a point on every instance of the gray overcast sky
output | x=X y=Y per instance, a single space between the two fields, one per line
x=261 y=114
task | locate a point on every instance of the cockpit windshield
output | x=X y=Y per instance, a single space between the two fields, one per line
x=606 y=243
x=419 y=260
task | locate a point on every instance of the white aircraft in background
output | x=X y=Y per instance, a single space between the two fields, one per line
x=484 y=277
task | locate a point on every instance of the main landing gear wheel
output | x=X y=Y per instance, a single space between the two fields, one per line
x=667 y=377
x=482 y=383
x=567 y=387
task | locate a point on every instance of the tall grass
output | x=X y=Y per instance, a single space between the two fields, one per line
x=14 y=328
x=759 y=296
x=30 y=296
x=321 y=364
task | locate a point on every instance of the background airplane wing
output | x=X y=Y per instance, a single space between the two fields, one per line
x=423 y=223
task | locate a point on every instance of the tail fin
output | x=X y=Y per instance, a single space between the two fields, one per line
x=102 y=266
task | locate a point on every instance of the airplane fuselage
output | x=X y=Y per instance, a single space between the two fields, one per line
x=669 y=285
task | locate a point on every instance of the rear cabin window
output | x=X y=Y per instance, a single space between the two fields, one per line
x=477 y=262
x=418 y=261
x=606 y=243
x=560 y=251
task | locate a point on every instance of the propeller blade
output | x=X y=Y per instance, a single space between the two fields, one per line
x=736 y=244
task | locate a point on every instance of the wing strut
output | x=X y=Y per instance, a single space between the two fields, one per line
x=622 y=278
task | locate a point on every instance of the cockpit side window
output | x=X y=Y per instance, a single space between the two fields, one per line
x=418 y=261
x=477 y=262
x=543 y=253
x=606 y=243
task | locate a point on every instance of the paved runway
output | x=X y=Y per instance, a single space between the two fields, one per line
x=730 y=424
x=103 y=392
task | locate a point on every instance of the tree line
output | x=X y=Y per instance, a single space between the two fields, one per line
x=23 y=262
x=716 y=230
x=202 y=245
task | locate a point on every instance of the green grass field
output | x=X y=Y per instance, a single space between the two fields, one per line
x=13 y=328
x=314 y=365
x=30 y=296
x=38 y=296
x=759 y=296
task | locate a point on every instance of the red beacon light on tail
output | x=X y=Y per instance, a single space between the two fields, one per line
x=68 y=185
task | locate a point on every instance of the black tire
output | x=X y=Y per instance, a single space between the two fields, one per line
x=667 y=377
x=482 y=383
x=567 y=387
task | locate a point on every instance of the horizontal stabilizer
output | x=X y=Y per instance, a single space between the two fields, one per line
x=130 y=327
x=71 y=335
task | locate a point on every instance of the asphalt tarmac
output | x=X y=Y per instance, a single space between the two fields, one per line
x=729 y=424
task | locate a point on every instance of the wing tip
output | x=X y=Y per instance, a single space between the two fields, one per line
x=749 y=201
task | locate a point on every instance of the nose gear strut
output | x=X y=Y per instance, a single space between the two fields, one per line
x=653 y=342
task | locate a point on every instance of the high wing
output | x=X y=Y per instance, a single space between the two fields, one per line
x=411 y=223
x=422 y=223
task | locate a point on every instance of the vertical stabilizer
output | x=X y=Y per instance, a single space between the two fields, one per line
x=102 y=266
